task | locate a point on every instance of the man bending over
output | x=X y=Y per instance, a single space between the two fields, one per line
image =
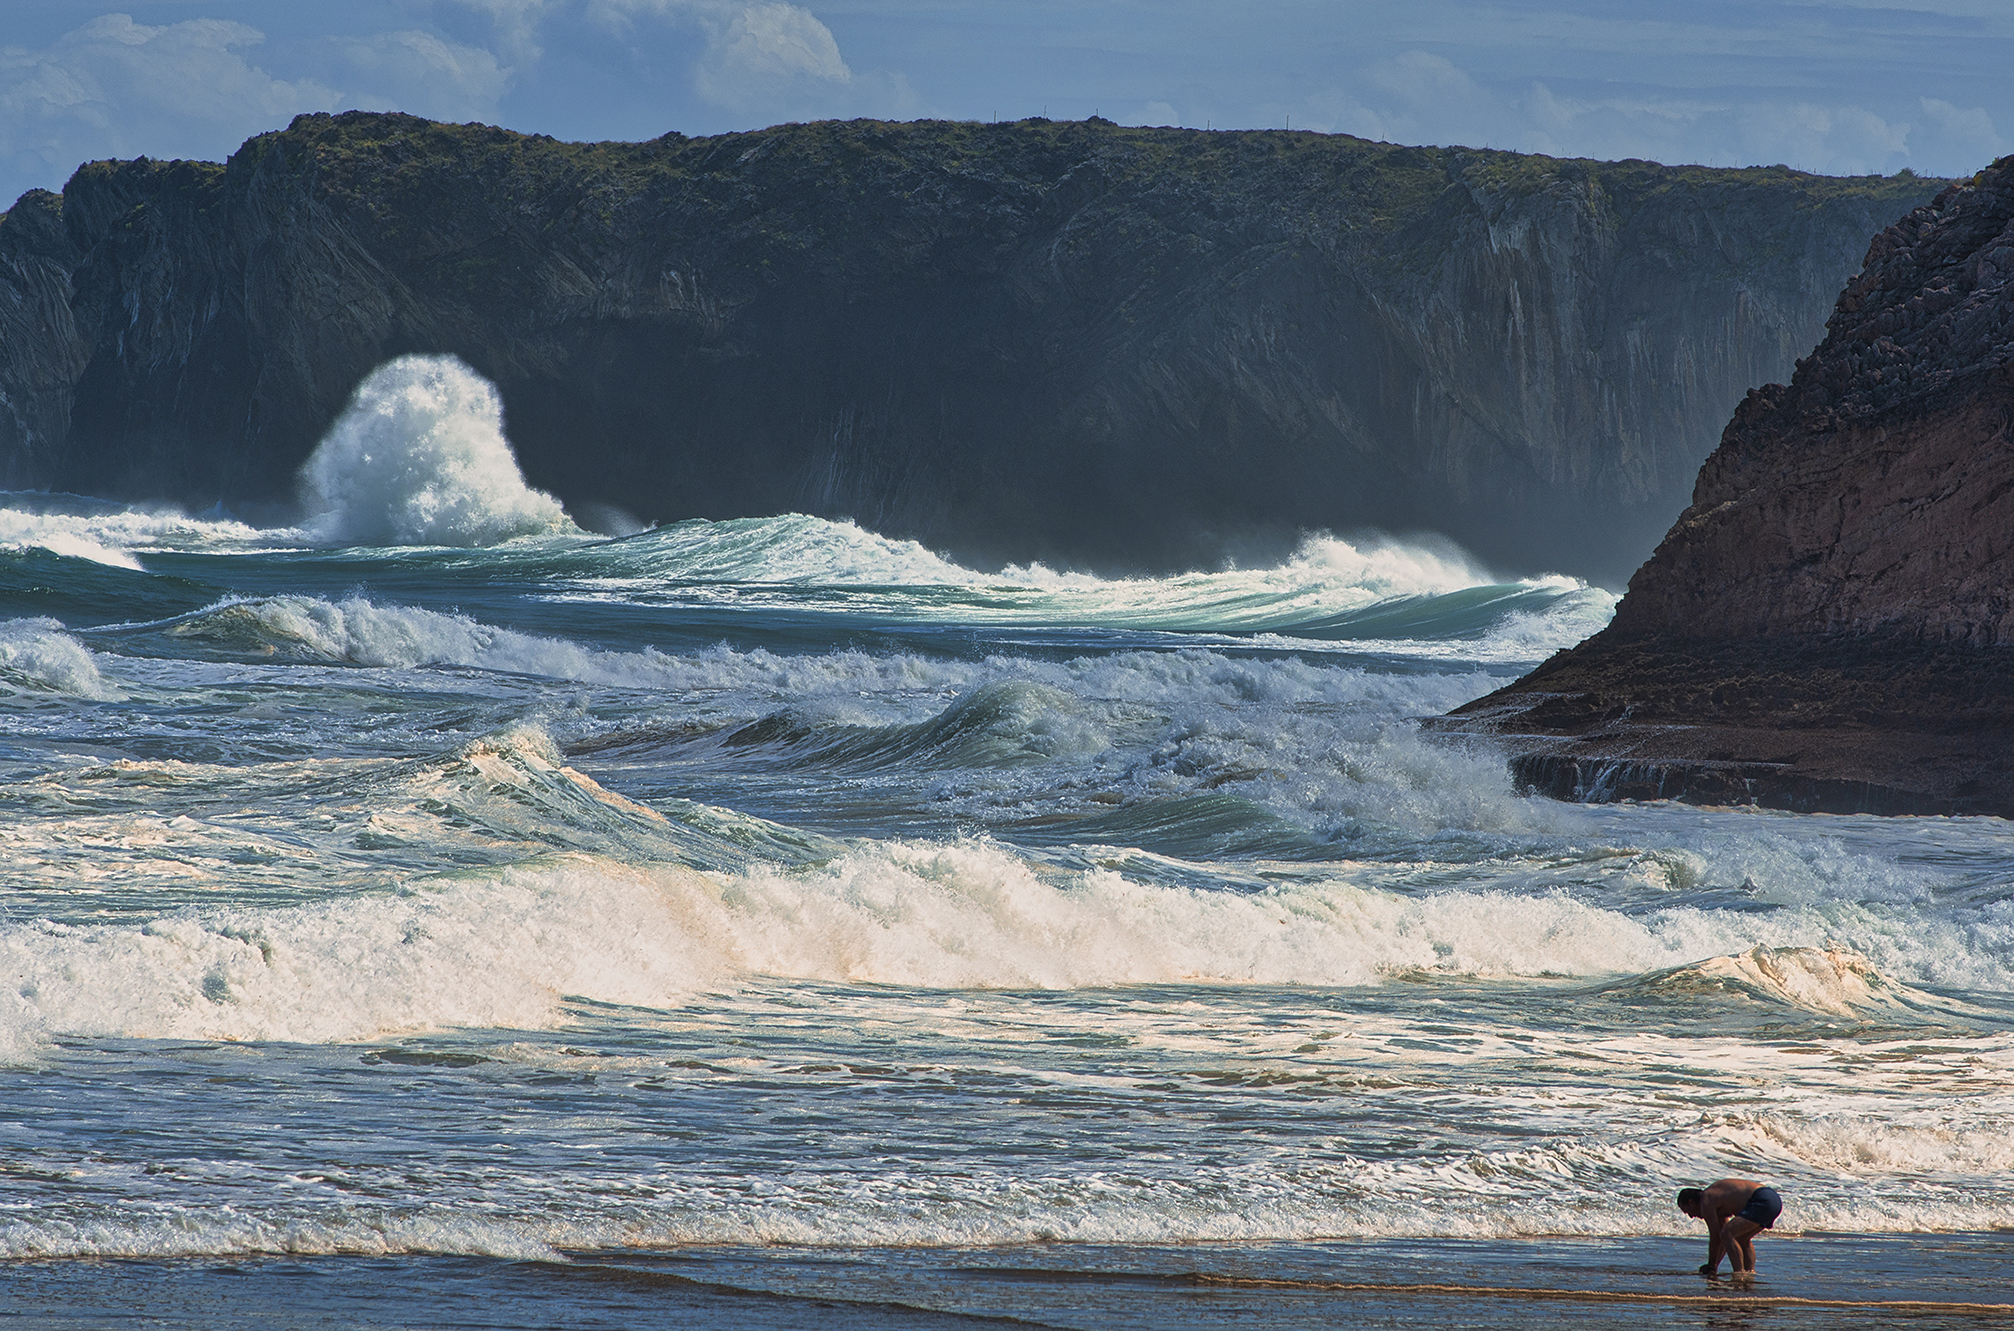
x=1735 y=1211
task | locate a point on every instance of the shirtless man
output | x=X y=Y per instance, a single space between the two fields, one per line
x=1735 y=1211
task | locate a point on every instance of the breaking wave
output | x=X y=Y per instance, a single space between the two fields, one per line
x=1829 y=980
x=1379 y=593
x=419 y=465
x=360 y=632
x=36 y=656
x=110 y=534
x=502 y=947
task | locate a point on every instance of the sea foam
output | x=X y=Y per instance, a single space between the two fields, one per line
x=1316 y=590
x=800 y=550
x=502 y=948
x=419 y=458
x=1342 y=1197
x=360 y=632
x=37 y=656
x=494 y=951
x=1829 y=980
x=1324 y=741
x=110 y=534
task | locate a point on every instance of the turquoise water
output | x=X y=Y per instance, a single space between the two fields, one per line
x=765 y=923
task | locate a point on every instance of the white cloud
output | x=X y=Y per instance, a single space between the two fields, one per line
x=114 y=87
x=766 y=59
x=1159 y=113
x=1424 y=83
x=1833 y=140
x=516 y=24
x=1837 y=140
x=756 y=52
x=420 y=73
x=118 y=88
x=1419 y=97
x=1414 y=97
x=1333 y=111
x=780 y=41
x=1968 y=136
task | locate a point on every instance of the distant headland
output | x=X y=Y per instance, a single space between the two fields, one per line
x=1110 y=348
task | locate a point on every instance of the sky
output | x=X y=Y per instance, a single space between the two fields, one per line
x=1842 y=87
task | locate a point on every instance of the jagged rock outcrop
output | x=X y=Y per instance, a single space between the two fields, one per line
x=1077 y=342
x=1830 y=625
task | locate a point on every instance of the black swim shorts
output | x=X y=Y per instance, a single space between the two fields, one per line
x=1763 y=1208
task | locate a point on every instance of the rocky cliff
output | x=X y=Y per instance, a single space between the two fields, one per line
x=1078 y=342
x=1830 y=625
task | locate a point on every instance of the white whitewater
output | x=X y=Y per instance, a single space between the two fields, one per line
x=419 y=457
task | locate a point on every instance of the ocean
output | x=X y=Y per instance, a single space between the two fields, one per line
x=436 y=914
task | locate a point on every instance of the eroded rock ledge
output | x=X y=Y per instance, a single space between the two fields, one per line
x=1830 y=625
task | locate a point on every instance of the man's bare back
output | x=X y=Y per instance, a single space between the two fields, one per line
x=1735 y=1211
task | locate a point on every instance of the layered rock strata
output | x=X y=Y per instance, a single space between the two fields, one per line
x=1101 y=346
x=1830 y=625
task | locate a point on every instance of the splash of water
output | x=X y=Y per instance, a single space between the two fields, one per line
x=419 y=458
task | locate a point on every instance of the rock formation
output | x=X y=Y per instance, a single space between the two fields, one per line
x=1830 y=625
x=1089 y=344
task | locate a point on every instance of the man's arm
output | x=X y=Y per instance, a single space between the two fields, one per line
x=1716 y=1243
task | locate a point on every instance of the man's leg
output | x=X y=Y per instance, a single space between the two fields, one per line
x=1741 y=1243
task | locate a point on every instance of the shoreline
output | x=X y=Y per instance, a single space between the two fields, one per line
x=1809 y=1280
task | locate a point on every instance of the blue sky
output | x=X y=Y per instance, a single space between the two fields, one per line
x=1838 y=86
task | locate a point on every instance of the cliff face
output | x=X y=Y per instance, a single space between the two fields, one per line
x=1101 y=346
x=1829 y=624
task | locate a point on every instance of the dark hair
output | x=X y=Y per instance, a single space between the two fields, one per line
x=1690 y=1200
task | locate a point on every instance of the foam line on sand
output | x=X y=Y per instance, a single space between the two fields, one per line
x=1611 y=1296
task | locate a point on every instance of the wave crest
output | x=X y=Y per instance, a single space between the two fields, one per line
x=36 y=656
x=1379 y=594
x=504 y=947
x=1834 y=981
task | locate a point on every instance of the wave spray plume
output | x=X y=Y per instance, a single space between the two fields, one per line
x=419 y=458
